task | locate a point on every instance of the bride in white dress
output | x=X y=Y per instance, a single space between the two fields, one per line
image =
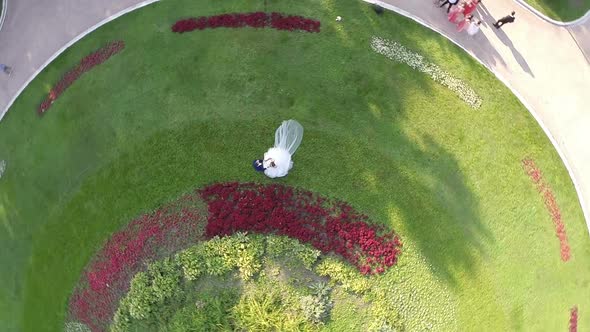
x=277 y=160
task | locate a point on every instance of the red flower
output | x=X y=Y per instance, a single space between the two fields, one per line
x=255 y=20
x=106 y=279
x=329 y=226
x=551 y=204
x=87 y=63
x=574 y=319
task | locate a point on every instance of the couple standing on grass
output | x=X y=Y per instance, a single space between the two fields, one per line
x=277 y=160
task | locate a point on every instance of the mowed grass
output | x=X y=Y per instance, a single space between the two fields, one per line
x=561 y=10
x=174 y=112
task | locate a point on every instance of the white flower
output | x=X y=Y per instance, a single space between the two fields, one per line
x=2 y=167
x=338 y=18
x=400 y=53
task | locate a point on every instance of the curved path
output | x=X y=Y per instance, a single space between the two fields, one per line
x=543 y=63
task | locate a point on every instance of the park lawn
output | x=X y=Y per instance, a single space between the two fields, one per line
x=561 y=10
x=175 y=112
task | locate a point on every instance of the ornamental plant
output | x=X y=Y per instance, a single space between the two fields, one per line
x=397 y=52
x=551 y=204
x=151 y=236
x=86 y=64
x=153 y=290
x=574 y=319
x=254 y=20
x=328 y=225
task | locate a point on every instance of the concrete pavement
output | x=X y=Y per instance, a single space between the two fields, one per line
x=36 y=31
x=543 y=63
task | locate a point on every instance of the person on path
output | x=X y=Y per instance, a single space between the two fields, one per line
x=456 y=14
x=463 y=24
x=6 y=69
x=470 y=6
x=473 y=27
x=506 y=19
x=451 y=4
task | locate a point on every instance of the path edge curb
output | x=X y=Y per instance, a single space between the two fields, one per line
x=581 y=200
x=550 y=20
x=3 y=16
x=70 y=43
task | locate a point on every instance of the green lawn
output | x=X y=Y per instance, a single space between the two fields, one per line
x=174 y=112
x=561 y=10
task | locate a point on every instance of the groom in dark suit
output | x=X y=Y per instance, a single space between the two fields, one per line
x=506 y=19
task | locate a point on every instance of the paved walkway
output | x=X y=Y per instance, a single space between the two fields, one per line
x=34 y=31
x=543 y=63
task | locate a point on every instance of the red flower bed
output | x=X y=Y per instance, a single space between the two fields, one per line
x=549 y=199
x=254 y=20
x=328 y=225
x=85 y=65
x=574 y=319
x=147 y=238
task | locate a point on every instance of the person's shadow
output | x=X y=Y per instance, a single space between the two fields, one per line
x=484 y=13
x=519 y=58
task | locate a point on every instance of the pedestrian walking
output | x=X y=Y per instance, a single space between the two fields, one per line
x=6 y=69
x=473 y=27
x=506 y=19
x=463 y=24
x=451 y=4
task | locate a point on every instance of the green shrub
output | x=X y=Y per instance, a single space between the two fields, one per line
x=220 y=255
x=191 y=262
x=264 y=310
x=210 y=314
x=165 y=279
x=249 y=253
x=316 y=307
x=346 y=275
x=282 y=246
x=148 y=292
x=75 y=326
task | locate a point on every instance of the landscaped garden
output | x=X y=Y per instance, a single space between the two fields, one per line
x=561 y=10
x=424 y=196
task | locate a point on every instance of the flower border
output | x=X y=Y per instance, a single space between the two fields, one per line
x=551 y=204
x=397 y=52
x=328 y=225
x=273 y=20
x=147 y=238
x=573 y=319
x=86 y=64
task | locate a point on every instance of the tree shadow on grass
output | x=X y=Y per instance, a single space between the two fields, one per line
x=423 y=183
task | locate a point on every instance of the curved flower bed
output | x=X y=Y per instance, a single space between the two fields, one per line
x=147 y=238
x=549 y=199
x=574 y=319
x=328 y=225
x=397 y=52
x=254 y=20
x=86 y=64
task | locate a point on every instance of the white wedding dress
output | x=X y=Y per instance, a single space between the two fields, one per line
x=277 y=160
